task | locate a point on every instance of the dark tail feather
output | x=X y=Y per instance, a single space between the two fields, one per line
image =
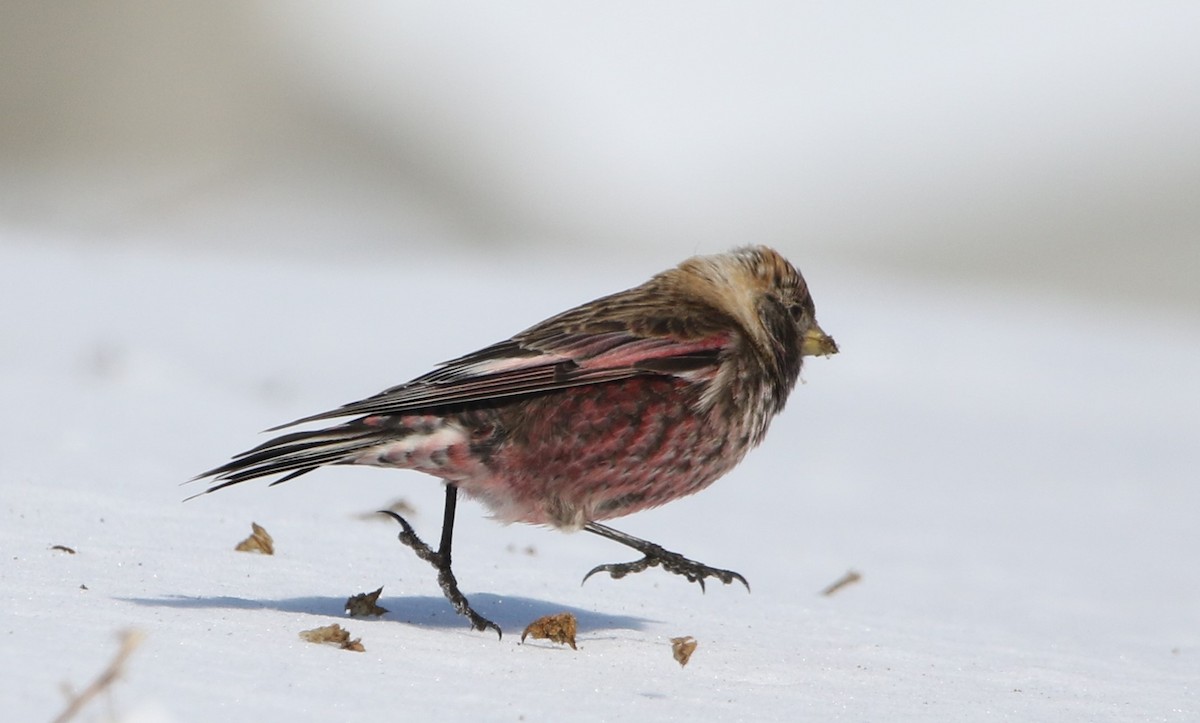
x=297 y=453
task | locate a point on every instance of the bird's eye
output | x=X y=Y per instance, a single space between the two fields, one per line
x=801 y=309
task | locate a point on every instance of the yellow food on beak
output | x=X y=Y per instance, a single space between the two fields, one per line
x=817 y=343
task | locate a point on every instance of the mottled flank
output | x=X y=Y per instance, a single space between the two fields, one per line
x=605 y=451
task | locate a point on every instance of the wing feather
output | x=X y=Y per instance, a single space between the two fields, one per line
x=509 y=369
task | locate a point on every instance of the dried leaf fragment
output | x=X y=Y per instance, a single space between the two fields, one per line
x=63 y=548
x=558 y=628
x=258 y=541
x=851 y=577
x=399 y=505
x=682 y=648
x=364 y=604
x=333 y=635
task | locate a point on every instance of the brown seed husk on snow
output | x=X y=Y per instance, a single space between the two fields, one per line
x=851 y=577
x=558 y=628
x=333 y=635
x=365 y=604
x=682 y=648
x=258 y=541
x=399 y=505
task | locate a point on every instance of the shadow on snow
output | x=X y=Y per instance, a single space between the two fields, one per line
x=509 y=612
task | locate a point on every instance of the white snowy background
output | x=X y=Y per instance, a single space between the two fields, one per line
x=217 y=218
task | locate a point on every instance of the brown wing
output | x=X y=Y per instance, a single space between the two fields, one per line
x=508 y=369
x=631 y=333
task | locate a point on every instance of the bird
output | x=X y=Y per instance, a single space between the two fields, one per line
x=615 y=406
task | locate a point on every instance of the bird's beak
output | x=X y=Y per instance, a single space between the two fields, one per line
x=817 y=343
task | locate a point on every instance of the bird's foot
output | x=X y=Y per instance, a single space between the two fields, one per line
x=446 y=579
x=671 y=562
x=657 y=555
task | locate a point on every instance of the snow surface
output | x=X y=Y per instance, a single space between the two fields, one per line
x=1014 y=476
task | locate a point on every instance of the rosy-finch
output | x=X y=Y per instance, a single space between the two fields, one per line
x=618 y=405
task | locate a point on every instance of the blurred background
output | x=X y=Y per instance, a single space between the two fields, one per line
x=218 y=216
x=1040 y=145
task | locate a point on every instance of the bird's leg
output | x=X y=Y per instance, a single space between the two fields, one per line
x=656 y=555
x=441 y=560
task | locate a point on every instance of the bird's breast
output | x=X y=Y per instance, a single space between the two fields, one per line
x=606 y=450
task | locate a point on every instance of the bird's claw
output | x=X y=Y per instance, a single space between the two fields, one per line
x=671 y=562
x=446 y=579
x=450 y=589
